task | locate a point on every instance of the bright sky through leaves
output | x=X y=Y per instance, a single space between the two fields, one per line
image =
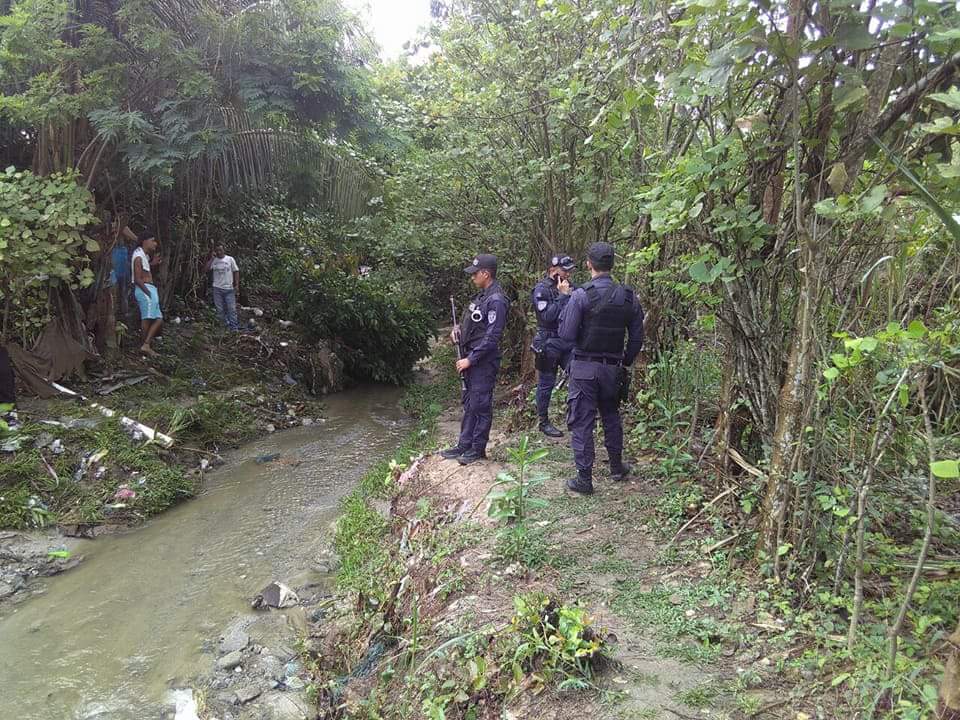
x=393 y=22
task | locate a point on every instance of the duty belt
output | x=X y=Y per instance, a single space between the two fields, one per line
x=549 y=334
x=597 y=359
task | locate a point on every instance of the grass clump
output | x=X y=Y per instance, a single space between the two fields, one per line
x=103 y=475
x=210 y=423
x=157 y=483
x=359 y=541
x=701 y=696
x=687 y=631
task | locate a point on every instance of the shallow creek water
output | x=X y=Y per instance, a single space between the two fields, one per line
x=107 y=639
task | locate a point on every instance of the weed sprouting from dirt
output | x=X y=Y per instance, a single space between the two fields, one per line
x=512 y=495
x=546 y=643
x=702 y=696
x=555 y=640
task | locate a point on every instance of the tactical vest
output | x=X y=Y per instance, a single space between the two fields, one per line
x=604 y=325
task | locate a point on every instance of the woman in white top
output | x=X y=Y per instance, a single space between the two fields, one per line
x=145 y=292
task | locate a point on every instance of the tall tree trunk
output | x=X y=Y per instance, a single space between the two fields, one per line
x=794 y=391
x=793 y=400
x=550 y=196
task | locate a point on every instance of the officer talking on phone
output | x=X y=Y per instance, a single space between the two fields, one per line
x=550 y=296
x=598 y=318
x=478 y=335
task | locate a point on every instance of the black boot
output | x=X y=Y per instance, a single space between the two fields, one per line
x=451 y=453
x=471 y=456
x=620 y=471
x=547 y=428
x=582 y=484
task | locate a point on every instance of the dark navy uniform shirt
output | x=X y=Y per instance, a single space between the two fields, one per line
x=483 y=323
x=548 y=302
x=572 y=318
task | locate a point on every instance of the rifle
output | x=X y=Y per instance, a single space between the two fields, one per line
x=453 y=312
x=561 y=378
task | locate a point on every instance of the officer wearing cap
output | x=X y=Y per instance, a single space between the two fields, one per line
x=478 y=335
x=599 y=317
x=550 y=296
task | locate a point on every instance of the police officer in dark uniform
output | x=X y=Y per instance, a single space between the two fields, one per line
x=478 y=335
x=598 y=319
x=550 y=296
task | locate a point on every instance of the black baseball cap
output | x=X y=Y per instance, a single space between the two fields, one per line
x=563 y=261
x=482 y=262
x=601 y=255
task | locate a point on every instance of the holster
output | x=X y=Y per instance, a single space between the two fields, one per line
x=623 y=384
x=543 y=361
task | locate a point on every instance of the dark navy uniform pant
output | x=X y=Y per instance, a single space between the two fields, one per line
x=593 y=387
x=558 y=353
x=478 y=406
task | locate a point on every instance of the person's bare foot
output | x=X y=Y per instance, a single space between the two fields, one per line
x=147 y=350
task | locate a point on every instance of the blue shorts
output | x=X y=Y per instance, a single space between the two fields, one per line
x=149 y=303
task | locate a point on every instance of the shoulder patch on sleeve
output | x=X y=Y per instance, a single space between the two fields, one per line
x=492 y=317
x=541 y=305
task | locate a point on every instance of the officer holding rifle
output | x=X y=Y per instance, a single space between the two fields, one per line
x=478 y=339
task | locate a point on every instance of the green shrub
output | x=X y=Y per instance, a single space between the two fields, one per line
x=209 y=423
x=41 y=219
x=554 y=642
x=383 y=324
x=381 y=319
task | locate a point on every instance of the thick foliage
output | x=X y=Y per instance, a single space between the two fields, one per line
x=41 y=220
x=163 y=108
x=380 y=320
x=777 y=176
x=337 y=283
x=167 y=85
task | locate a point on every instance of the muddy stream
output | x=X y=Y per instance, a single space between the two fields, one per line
x=107 y=639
